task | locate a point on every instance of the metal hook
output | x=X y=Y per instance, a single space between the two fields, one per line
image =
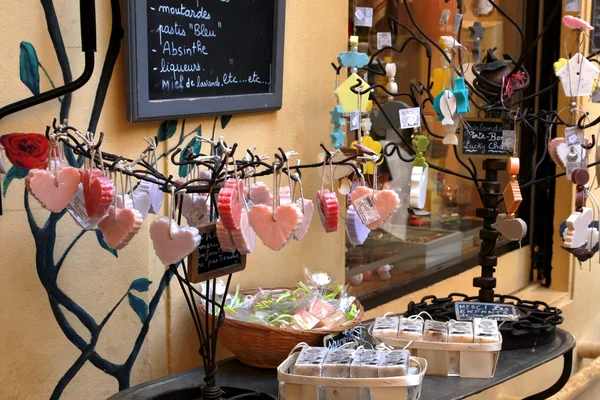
x=591 y=145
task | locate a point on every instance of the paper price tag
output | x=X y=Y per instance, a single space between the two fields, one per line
x=456 y=25
x=354 y=120
x=76 y=209
x=410 y=117
x=574 y=136
x=572 y=166
x=573 y=6
x=363 y=16
x=195 y=215
x=366 y=210
x=509 y=139
x=445 y=17
x=384 y=39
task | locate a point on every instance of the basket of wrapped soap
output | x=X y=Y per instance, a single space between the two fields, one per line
x=350 y=374
x=454 y=348
x=262 y=326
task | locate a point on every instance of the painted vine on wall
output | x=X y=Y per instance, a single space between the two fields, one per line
x=27 y=151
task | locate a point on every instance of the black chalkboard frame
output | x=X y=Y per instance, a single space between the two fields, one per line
x=193 y=273
x=496 y=121
x=139 y=106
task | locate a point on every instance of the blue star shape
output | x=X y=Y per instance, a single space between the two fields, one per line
x=336 y=116
x=337 y=137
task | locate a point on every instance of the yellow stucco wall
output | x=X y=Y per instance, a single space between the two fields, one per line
x=34 y=352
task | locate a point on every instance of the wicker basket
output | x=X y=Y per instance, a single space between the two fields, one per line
x=265 y=346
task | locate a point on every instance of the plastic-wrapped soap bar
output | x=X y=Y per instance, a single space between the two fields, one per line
x=485 y=331
x=337 y=363
x=365 y=364
x=460 y=332
x=394 y=363
x=410 y=329
x=386 y=326
x=310 y=361
x=414 y=392
x=435 y=331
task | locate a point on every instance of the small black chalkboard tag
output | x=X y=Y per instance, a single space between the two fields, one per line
x=208 y=261
x=355 y=335
x=466 y=311
x=483 y=138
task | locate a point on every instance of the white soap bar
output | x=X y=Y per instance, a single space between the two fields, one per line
x=310 y=361
x=460 y=332
x=410 y=329
x=435 y=331
x=337 y=363
x=365 y=364
x=386 y=326
x=485 y=331
x=394 y=363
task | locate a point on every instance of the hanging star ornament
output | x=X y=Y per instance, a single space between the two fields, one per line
x=337 y=137
x=337 y=117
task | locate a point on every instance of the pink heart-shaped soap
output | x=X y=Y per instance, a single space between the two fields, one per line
x=156 y=195
x=307 y=213
x=357 y=231
x=230 y=203
x=53 y=193
x=386 y=201
x=98 y=191
x=245 y=237
x=120 y=226
x=275 y=232
x=172 y=248
x=259 y=193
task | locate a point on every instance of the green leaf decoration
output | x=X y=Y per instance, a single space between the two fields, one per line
x=194 y=147
x=139 y=306
x=140 y=284
x=225 y=120
x=103 y=243
x=13 y=173
x=166 y=130
x=28 y=67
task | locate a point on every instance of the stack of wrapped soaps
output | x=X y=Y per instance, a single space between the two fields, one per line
x=478 y=331
x=349 y=363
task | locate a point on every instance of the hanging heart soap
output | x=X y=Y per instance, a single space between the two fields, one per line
x=155 y=194
x=285 y=195
x=357 y=231
x=225 y=239
x=245 y=237
x=328 y=205
x=230 y=203
x=98 y=191
x=275 y=229
x=172 y=248
x=259 y=193
x=53 y=193
x=76 y=209
x=120 y=226
x=386 y=201
x=307 y=208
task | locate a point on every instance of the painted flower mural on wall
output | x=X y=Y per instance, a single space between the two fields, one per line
x=26 y=150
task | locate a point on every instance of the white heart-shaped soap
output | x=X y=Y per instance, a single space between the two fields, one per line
x=172 y=246
x=156 y=195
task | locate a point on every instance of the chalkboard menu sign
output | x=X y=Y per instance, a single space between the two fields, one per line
x=466 y=311
x=200 y=57
x=483 y=138
x=209 y=261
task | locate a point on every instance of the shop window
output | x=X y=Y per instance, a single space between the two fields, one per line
x=412 y=251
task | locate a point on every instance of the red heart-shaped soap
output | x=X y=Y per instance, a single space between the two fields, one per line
x=328 y=210
x=98 y=192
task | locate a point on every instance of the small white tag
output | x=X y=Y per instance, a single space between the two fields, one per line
x=410 y=118
x=509 y=138
x=572 y=6
x=574 y=136
x=76 y=208
x=445 y=17
x=384 y=39
x=195 y=215
x=366 y=210
x=354 y=120
x=363 y=16
x=456 y=25
x=572 y=166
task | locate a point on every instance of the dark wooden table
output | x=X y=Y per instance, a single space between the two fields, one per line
x=232 y=373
